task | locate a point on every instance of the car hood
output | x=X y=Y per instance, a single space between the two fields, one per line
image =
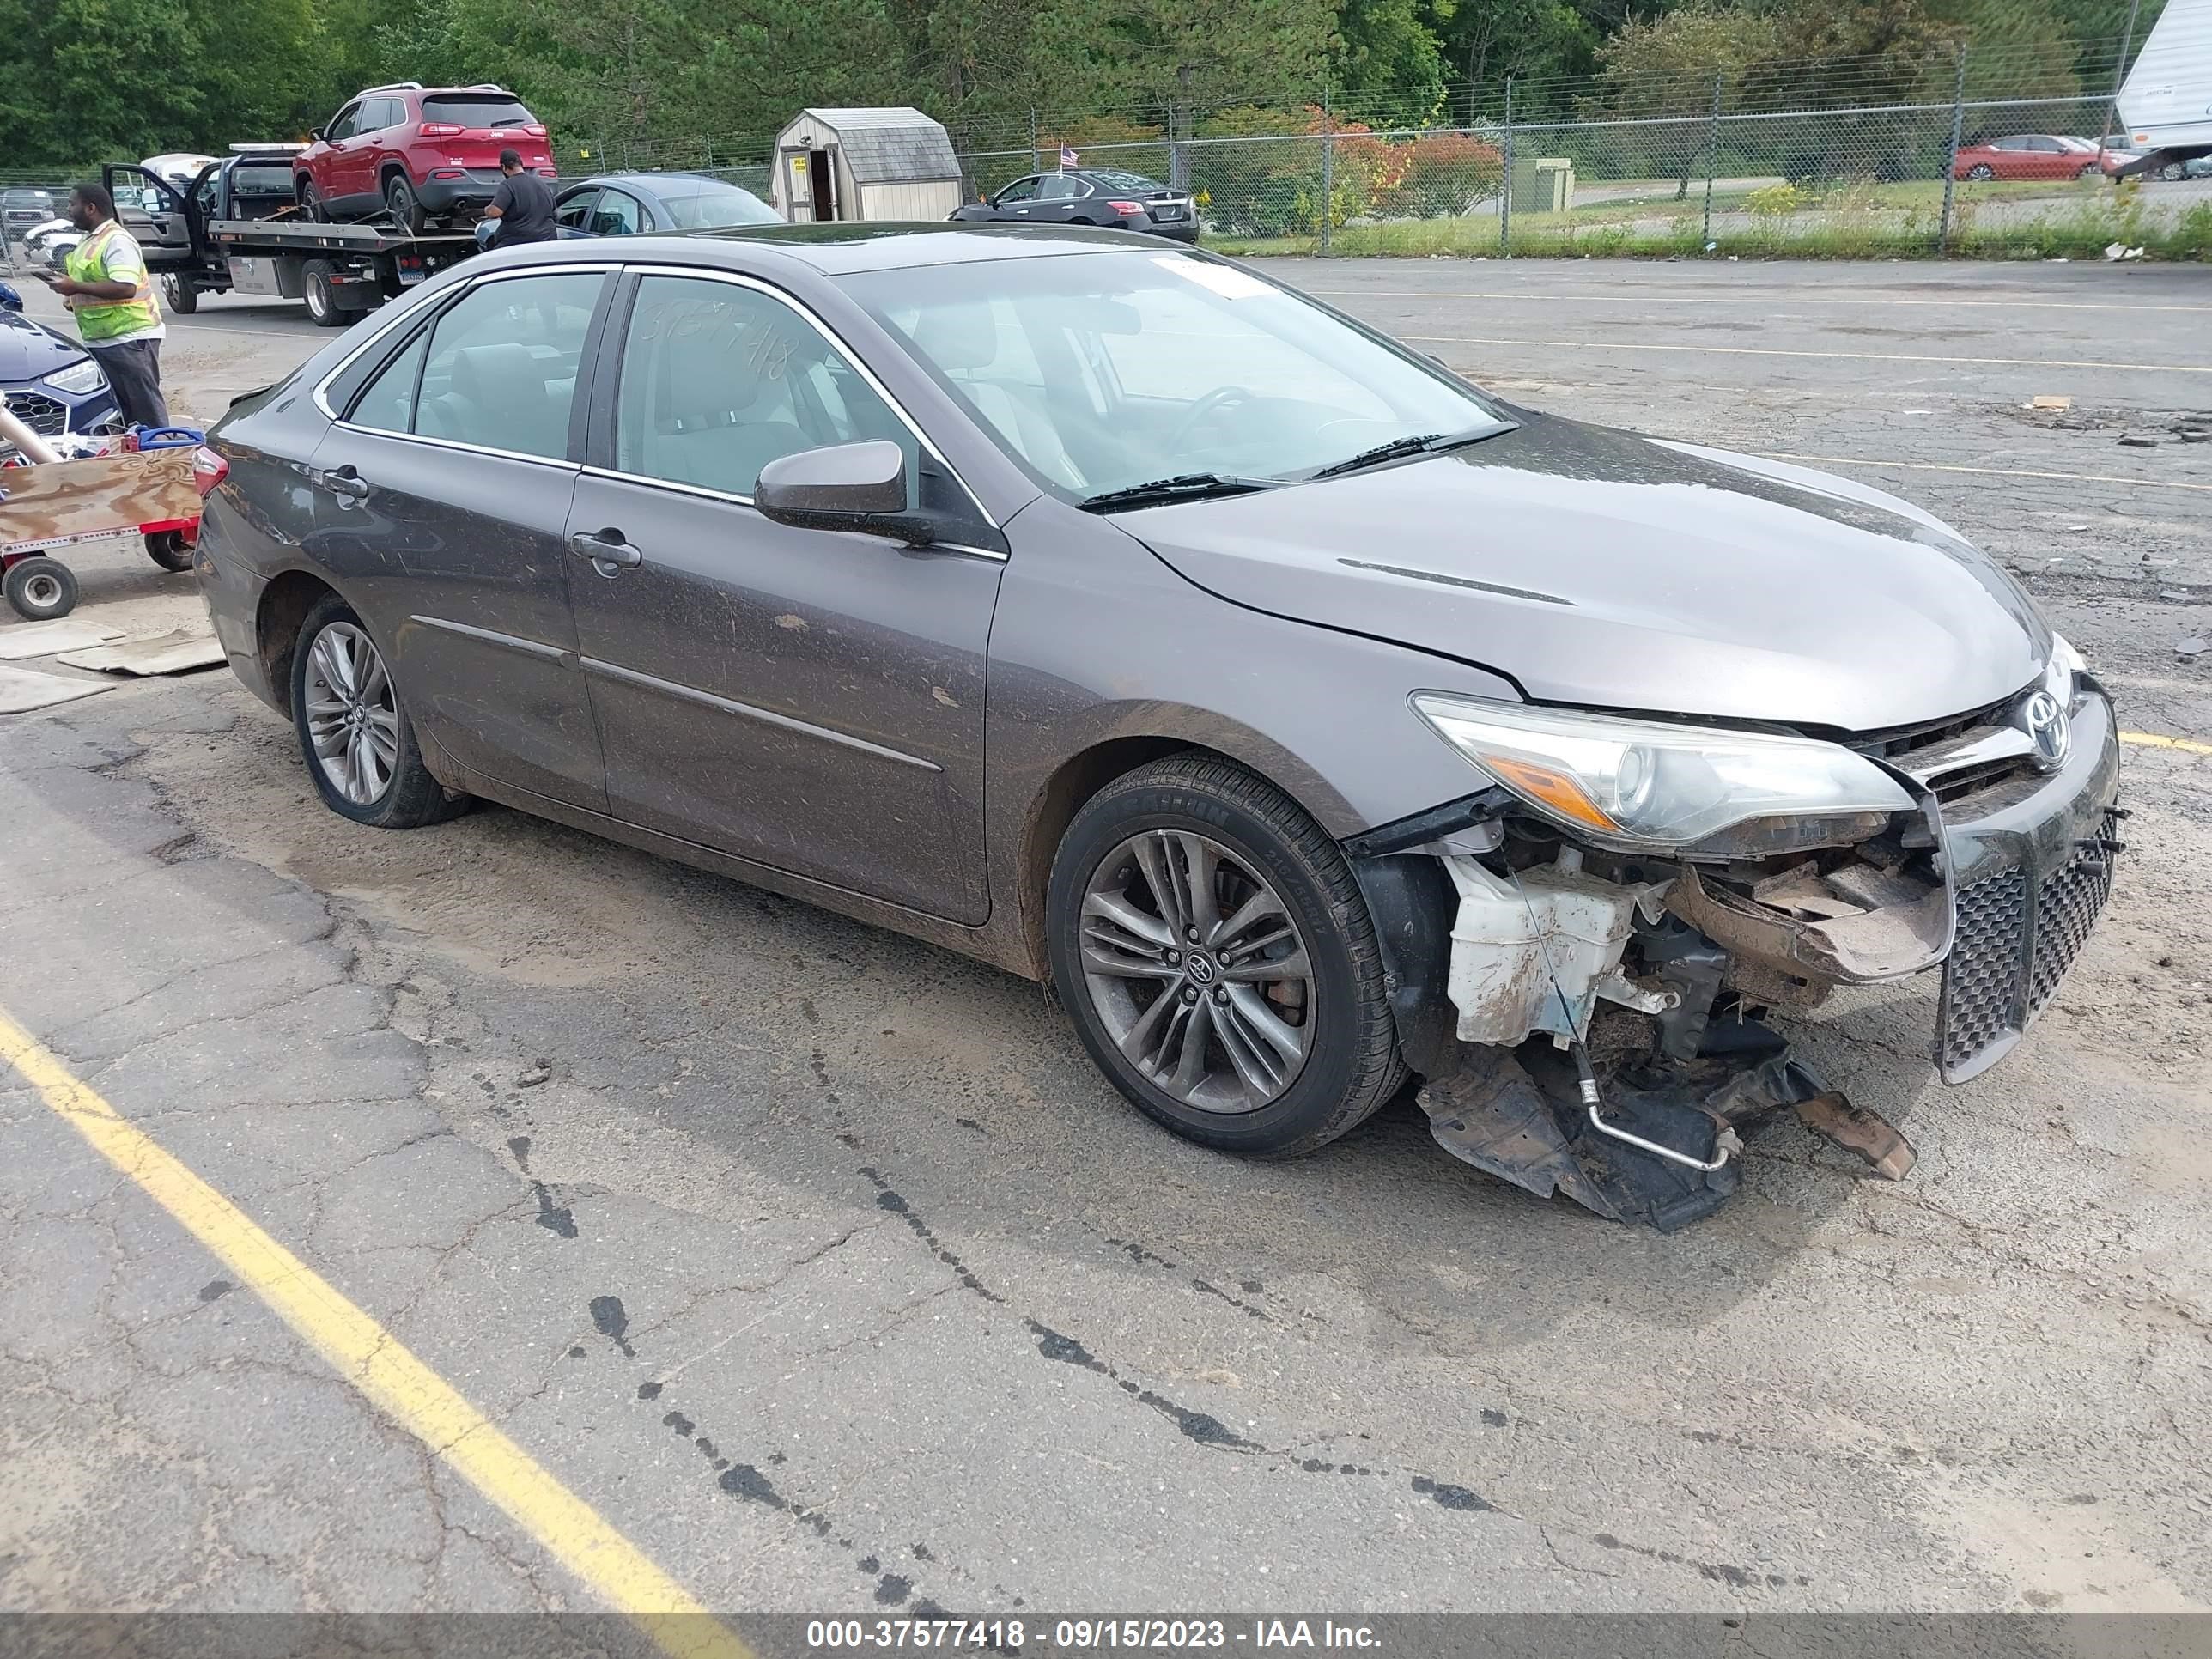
x=27 y=350
x=1598 y=568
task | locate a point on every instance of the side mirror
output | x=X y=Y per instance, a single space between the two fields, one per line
x=845 y=487
x=314 y=134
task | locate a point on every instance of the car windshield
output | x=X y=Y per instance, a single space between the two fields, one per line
x=1099 y=372
x=717 y=206
x=475 y=109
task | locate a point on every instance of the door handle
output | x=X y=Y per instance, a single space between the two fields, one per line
x=604 y=548
x=345 y=482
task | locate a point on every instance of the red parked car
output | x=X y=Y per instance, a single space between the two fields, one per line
x=417 y=153
x=2028 y=155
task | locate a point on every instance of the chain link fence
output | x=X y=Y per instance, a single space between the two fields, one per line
x=2008 y=177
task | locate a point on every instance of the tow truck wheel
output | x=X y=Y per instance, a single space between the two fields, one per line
x=180 y=294
x=400 y=198
x=315 y=289
x=40 y=589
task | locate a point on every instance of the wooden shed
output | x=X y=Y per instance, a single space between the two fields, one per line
x=874 y=165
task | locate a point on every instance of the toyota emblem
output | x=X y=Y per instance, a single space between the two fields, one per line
x=2044 y=719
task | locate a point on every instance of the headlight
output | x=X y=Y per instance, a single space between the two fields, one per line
x=1644 y=784
x=78 y=378
x=2064 y=667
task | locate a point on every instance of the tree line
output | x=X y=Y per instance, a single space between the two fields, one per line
x=81 y=80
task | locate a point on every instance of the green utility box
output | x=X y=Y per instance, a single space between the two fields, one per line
x=1543 y=184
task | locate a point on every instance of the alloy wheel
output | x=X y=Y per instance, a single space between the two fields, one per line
x=353 y=715
x=1198 y=970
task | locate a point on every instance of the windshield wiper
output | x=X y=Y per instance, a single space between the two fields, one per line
x=1183 y=486
x=1426 y=443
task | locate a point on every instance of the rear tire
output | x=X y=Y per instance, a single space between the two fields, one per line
x=1262 y=856
x=336 y=667
x=40 y=589
x=2174 y=173
x=315 y=290
x=399 y=200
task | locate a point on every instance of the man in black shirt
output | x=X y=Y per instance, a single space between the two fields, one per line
x=523 y=205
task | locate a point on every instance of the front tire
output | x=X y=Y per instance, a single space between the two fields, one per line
x=359 y=746
x=1981 y=172
x=2173 y=172
x=181 y=295
x=1219 y=960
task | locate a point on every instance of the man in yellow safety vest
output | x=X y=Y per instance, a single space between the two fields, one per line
x=106 y=285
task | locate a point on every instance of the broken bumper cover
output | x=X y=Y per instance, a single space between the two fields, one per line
x=2030 y=871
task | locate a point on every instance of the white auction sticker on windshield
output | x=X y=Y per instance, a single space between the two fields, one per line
x=1227 y=281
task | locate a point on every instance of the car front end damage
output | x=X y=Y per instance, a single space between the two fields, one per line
x=1631 y=902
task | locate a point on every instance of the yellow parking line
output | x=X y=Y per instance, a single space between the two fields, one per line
x=371 y=1358
x=2186 y=745
x=1773 y=351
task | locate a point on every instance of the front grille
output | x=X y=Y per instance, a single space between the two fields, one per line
x=47 y=416
x=2015 y=938
x=2066 y=908
x=1898 y=743
x=1983 y=974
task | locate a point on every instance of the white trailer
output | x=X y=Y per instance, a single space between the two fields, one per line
x=2165 y=102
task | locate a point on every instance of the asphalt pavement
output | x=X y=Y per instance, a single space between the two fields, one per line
x=820 y=1267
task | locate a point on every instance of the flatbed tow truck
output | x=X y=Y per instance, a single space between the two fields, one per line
x=237 y=228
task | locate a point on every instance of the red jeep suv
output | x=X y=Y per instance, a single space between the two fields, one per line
x=416 y=153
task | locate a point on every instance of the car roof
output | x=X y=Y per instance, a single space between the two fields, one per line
x=841 y=250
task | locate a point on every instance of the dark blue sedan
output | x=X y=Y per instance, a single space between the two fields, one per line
x=50 y=381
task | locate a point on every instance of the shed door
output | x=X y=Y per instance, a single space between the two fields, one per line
x=821 y=182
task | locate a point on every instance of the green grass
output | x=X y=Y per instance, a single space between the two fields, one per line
x=1887 y=221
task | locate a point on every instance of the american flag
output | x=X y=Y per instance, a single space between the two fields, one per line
x=1066 y=158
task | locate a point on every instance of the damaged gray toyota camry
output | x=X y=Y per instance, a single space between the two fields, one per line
x=1308 y=717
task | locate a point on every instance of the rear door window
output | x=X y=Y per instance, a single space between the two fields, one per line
x=498 y=369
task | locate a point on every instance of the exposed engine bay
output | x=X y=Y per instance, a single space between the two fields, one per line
x=1604 y=1027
